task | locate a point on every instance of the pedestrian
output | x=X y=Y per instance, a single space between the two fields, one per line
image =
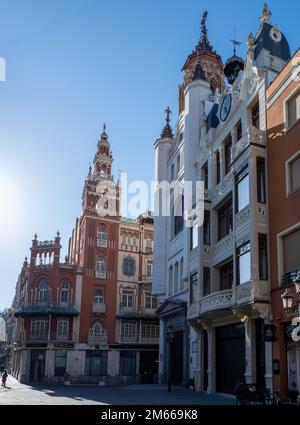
x=4 y=378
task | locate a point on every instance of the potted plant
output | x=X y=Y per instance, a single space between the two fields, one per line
x=67 y=380
x=293 y=394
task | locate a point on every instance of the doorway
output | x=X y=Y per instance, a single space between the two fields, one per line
x=177 y=359
x=149 y=366
x=230 y=357
x=37 y=365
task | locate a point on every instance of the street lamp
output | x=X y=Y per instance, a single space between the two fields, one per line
x=287 y=299
x=169 y=338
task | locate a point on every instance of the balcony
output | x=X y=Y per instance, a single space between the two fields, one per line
x=138 y=340
x=252 y=136
x=38 y=337
x=51 y=307
x=55 y=336
x=289 y=278
x=241 y=295
x=129 y=339
x=97 y=338
x=99 y=308
x=136 y=312
x=223 y=248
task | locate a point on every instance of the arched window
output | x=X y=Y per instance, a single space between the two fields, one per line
x=178 y=164
x=44 y=291
x=170 y=280
x=181 y=274
x=176 y=277
x=102 y=236
x=172 y=172
x=178 y=215
x=65 y=292
x=99 y=296
x=98 y=327
x=100 y=267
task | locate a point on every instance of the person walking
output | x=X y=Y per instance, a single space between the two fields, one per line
x=4 y=378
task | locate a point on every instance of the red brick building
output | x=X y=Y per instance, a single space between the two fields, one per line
x=283 y=127
x=67 y=310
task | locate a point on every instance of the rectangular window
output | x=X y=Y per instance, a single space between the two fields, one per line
x=206 y=228
x=127 y=363
x=127 y=298
x=62 y=328
x=261 y=180
x=243 y=264
x=263 y=256
x=242 y=189
x=96 y=363
x=60 y=362
x=149 y=268
x=193 y=288
x=206 y=281
x=226 y=276
x=255 y=115
x=128 y=331
x=227 y=150
x=218 y=167
x=294 y=174
x=150 y=301
x=293 y=107
x=205 y=175
x=39 y=329
x=150 y=332
x=239 y=130
x=291 y=252
x=225 y=220
x=194 y=236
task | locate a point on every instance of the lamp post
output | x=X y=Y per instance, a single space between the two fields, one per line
x=169 y=338
x=287 y=299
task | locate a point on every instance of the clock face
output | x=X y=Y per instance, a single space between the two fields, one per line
x=225 y=107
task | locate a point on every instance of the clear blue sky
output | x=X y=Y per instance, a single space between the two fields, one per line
x=74 y=64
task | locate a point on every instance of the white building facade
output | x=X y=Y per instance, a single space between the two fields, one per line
x=218 y=294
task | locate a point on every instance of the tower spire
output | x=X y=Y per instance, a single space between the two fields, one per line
x=204 y=43
x=167 y=130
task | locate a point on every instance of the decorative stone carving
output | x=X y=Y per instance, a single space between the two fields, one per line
x=242 y=217
x=224 y=243
x=217 y=300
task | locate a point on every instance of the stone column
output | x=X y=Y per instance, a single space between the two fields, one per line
x=269 y=366
x=211 y=372
x=250 y=351
x=199 y=372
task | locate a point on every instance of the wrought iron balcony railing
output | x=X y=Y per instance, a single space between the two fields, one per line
x=134 y=311
x=49 y=307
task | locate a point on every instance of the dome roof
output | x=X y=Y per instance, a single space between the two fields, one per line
x=272 y=39
x=232 y=67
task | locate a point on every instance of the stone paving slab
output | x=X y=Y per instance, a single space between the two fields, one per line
x=40 y=394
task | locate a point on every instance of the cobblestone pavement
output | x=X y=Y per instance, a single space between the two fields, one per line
x=40 y=394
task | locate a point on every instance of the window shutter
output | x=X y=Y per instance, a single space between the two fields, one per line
x=291 y=246
x=295 y=173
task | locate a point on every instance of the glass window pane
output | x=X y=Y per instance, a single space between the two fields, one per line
x=243 y=193
x=245 y=268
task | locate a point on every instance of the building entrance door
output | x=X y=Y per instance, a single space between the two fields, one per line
x=149 y=366
x=293 y=361
x=177 y=358
x=230 y=356
x=37 y=365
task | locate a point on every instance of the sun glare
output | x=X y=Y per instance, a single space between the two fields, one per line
x=10 y=204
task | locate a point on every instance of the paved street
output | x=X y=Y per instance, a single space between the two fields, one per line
x=20 y=394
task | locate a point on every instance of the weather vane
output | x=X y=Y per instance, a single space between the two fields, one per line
x=235 y=43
